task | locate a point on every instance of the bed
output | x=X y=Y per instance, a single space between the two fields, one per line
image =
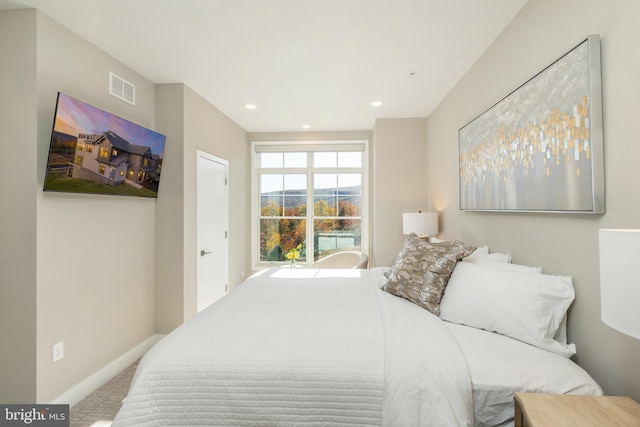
x=336 y=347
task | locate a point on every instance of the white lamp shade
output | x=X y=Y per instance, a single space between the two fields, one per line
x=420 y=223
x=620 y=280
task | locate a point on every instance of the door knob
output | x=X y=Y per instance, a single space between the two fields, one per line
x=203 y=252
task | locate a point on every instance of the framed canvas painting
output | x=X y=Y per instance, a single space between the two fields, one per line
x=540 y=148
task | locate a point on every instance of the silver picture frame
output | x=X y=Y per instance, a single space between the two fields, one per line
x=540 y=148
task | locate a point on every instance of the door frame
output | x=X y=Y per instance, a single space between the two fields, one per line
x=225 y=163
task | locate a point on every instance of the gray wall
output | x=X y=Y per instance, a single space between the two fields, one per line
x=18 y=189
x=399 y=177
x=55 y=284
x=563 y=244
x=207 y=129
x=91 y=292
x=169 y=298
x=195 y=124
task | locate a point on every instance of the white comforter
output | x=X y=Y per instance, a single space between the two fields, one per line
x=304 y=346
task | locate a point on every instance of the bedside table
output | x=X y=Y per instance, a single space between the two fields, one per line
x=559 y=410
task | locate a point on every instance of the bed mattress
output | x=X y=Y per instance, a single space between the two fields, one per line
x=304 y=346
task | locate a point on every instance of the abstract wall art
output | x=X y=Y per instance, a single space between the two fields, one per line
x=540 y=148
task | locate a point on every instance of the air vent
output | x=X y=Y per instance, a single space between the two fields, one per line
x=122 y=89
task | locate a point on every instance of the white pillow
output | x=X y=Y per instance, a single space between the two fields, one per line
x=561 y=335
x=496 y=256
x=489 y=262
x=525 y=306
x=480 y=250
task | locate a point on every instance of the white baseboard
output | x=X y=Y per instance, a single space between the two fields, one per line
x=87 y=386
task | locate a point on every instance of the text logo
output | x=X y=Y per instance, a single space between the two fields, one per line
x=34 y=415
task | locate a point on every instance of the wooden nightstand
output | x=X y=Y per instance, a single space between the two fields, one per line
x=559 y=410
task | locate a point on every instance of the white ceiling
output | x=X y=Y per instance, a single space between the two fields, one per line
x=316 y=62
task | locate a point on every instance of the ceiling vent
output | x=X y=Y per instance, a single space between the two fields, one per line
x=122 y=89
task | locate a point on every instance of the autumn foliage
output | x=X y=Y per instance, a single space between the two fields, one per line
x=287 y=227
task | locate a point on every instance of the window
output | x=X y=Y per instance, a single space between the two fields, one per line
x=104 y=152
x=101 y=169
x=309 y=194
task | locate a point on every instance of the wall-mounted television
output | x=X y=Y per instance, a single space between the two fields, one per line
x=93 y=151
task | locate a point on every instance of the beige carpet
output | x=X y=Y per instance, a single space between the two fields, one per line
x=100 y=407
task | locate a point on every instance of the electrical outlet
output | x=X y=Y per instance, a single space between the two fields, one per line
x=57 y=351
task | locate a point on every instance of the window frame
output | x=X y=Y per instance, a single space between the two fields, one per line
x=310 y=170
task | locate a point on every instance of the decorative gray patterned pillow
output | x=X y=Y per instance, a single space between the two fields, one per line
x=422 y=269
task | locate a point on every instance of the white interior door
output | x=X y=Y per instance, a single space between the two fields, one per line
x=212 y=226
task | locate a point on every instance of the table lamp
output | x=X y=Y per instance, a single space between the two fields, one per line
x=620 y=280
x=420 y=223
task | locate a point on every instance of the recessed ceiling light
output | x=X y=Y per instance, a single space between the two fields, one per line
x=306 y=126
x=376 y=103
x=250 y=106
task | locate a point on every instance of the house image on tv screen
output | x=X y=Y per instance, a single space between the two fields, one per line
x=109 y=159
x=94 y=151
